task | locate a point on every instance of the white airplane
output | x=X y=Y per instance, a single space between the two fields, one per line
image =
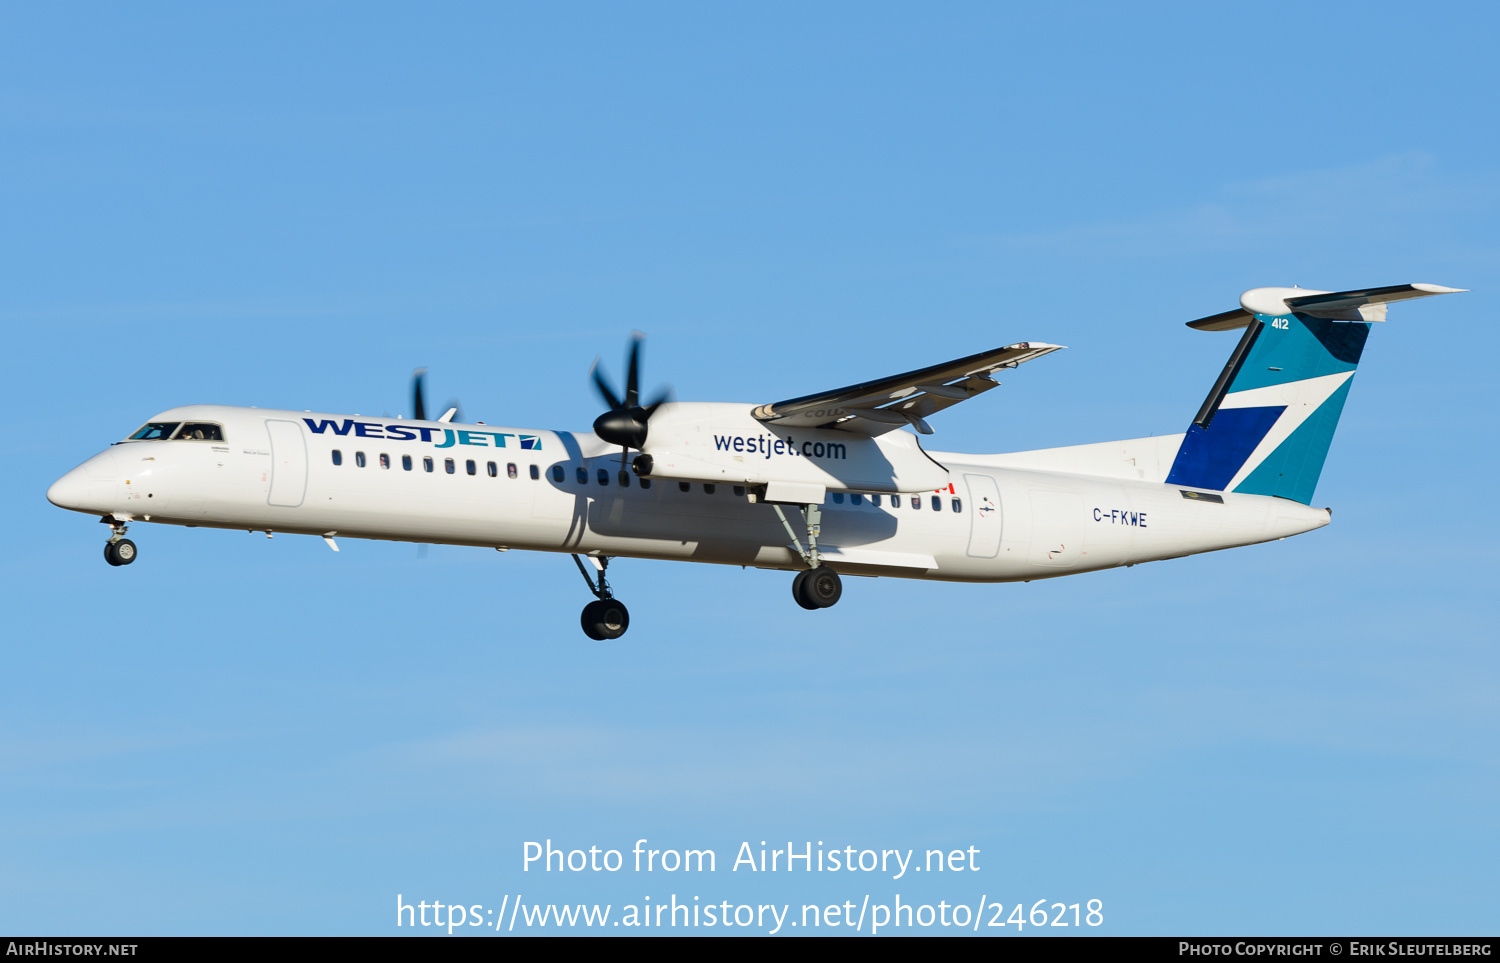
x=823 y=485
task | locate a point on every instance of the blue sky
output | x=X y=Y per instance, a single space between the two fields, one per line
x=292 y=206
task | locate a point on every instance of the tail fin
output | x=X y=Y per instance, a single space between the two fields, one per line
x=1266 y=426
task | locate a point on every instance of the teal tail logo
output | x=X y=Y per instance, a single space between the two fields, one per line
x=1266 y=427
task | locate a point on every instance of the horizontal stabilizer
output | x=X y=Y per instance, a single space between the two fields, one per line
x=1367 y=304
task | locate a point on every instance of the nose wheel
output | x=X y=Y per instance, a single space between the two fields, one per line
x=119 y=550
x=119 y=553
x=606 y=617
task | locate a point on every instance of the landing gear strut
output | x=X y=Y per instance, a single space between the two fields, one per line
x=119 y=550
x=819 y=587
x=606 y=617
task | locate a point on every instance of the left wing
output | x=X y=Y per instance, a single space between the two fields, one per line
x=876 y=407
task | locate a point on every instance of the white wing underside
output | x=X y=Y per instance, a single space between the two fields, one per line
x=876 y=407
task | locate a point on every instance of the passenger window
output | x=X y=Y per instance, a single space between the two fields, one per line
x=359 y=459
x=684 y=487
x=624 y=478
x=603 y=476
x=937 y=503
x=557 y=473
x=406 y=463
x=448 y=465
x=385 y=460
x=838 y=498
x=537 y=473
x=856 y=499
x=916 y=501
x=958 y=505
x=195 y=431
x=470 y=467
x=338 y=457
x=739 y=491
x=583 y=475
x=510 y=470
x=155 y=431
x=426 y=464
x=709 y=489
x=493 y=469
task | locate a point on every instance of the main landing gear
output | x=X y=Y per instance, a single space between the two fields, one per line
x=119 y=550
x=819 y=587
x=606 y=617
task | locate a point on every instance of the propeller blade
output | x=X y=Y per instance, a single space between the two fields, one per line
x=418 y=409
x=656 y=403
x=633 y=376
x=599 y=383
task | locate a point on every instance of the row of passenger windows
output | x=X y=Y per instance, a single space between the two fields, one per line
x=895 y=501
x=582 y=474
x=472 y=467
x=602 y=476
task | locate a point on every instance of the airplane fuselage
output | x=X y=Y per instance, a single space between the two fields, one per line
x=347 y=476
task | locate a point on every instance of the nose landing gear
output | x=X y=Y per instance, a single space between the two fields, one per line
x=119 y=550
x=606 y=617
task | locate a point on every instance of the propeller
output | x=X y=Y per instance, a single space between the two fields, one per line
x=625 y=423
x=418 y=405
x=419 y=413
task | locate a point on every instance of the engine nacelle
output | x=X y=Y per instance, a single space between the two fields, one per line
x=724 y=444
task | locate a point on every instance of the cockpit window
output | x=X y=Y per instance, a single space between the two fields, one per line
x=200 y=431
x=155 y=431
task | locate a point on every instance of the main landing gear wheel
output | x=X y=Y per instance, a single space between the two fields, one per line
x=605 y=619
x=119 y=553
x=799 y=595
x=819 y=588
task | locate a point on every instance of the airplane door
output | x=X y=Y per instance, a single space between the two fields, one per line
x=985 y=522
x=288 y=464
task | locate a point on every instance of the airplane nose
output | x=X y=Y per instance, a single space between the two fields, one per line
x=89 y=487
x=70 y=491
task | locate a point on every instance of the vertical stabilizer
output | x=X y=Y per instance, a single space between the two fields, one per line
x=1266 y=426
